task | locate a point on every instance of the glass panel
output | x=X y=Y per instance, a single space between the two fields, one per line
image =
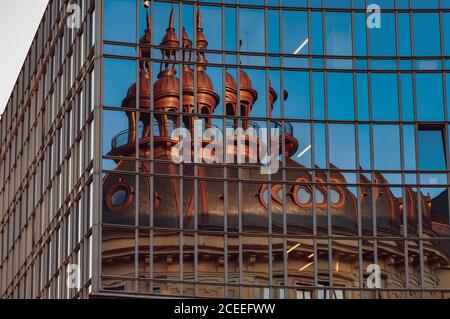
x=427 y=39
x=386 y=143
x=119 y=75
x=384 y=97
x=340 y=96
x=382 y=40
x=295 y=32
x=446 y=31
x=338 y=33
x=251 y=23
x=429 y=93
x=297 y=105
x=431 y=149
x=120 y=20
x=404 y=34
x=342 y=146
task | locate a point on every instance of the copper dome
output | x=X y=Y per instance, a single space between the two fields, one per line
x=247 y=93
x=167 y=86
x=144 y=93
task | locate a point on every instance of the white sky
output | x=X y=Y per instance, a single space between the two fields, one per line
x=19 y=21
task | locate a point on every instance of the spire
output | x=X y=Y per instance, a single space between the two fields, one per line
x=187 y=46
x=202 y=43
x=170 y=42
x=172 y=19
x=146 y=39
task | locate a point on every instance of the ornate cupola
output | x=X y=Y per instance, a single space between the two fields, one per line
x=166 y=88
x=208 y=99
x=188 y=79
x=231 y=98
x=140 y=100
x=248 y=94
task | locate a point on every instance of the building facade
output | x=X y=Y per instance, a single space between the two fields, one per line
x=103 y=195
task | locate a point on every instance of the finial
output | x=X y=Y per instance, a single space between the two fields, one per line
x=172 y=19
x=199 y=20
x=146 y=3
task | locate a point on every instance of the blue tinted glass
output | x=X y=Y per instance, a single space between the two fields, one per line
x=318 y=96
x=320 y=145
x=360 y=34
x=340 y=96
x=409 y=147
x=427 y=39
x=384 y=97
x=230 y=29
x=295 y=32
x=407 y=97
x=342 y=146
x=431 y=150
x=297 y=105
x=362 y=92
x=386 y=143
x=425 y=4
x=404 y=34
x=446 y=30
x=120 y=20
x=273 y=21
x=429 y=93
x=251 y=23
x=338 y=33
x=316 y=33
x=119 y=75
x=364 y=146
x=337 y=3
x=382 y=40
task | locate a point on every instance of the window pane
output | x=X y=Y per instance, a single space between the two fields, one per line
x=342 y=146
x=384 y=97
x=119 y=75
x=427 y=40
x=338 y=33
x=409 y=146
x=340 y=96
x=295 y=32
x=431 y=149
x=120 y=20
x=316 y=33
x=429 y=97
x=297 y=105
x=386 y=143
x=446 y=30
x=404 y=34
x=251 y=24
x=382 y=40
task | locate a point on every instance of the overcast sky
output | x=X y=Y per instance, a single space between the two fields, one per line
x=19 y=21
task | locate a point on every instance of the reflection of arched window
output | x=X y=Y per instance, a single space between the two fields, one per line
x=335 y=197
x=266 y=196
x=303 y=196
x=320 y=197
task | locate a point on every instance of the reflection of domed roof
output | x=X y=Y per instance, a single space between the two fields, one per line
x=204 y=82
x=248 y=94
x=245 y=81
x=230 y=81
x=144 y=93
x=343 y=207
x=167 y=84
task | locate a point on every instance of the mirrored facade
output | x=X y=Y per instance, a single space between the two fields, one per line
x=357 y=117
